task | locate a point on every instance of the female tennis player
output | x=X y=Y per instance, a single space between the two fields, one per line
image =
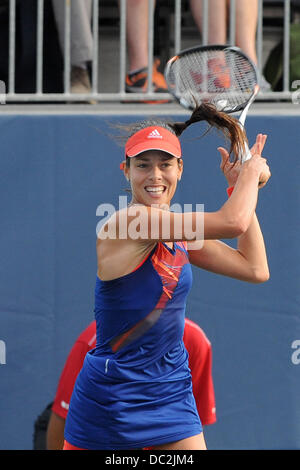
x=135 y=390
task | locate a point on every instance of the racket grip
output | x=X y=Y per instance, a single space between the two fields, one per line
x=246 y=155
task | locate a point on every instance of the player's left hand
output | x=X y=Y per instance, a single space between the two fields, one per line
x=232 y=170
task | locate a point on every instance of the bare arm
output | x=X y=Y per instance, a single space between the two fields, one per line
x=249 y=261
x=55 y=432
x=153 y=224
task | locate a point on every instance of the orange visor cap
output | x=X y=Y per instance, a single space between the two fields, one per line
x=153 y=138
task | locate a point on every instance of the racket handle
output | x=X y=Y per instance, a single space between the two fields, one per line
x=242 y=118
x=246 y=155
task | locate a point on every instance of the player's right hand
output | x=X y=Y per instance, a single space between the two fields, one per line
x=260 y=165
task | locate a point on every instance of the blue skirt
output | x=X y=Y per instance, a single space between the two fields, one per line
x=118 y=405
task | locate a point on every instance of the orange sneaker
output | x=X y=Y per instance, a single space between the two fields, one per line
x=158 y=78
x=137 y=82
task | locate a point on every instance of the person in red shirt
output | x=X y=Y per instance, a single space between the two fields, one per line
x=200 y=363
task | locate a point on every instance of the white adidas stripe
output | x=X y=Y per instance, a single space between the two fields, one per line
x=154 y=135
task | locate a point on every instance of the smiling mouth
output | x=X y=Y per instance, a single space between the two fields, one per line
x=155 y=190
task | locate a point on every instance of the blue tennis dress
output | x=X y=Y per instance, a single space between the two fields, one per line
x=135 y=389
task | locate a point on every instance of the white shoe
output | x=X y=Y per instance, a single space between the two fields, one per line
x=80 y=80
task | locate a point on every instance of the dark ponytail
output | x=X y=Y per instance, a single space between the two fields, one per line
x=228 y=125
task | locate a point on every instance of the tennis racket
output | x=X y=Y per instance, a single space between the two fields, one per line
x=218 y=74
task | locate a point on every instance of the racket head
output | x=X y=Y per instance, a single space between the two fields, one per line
x=218 y=74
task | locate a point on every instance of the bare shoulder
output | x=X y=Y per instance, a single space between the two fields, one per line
x=118 y=257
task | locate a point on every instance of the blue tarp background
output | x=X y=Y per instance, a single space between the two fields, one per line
x=55 y=171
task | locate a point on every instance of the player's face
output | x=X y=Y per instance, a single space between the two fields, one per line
x=153 y=176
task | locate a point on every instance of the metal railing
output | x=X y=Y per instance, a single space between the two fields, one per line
x=121 y=95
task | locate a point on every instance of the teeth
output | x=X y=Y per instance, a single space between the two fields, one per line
x=155 y=189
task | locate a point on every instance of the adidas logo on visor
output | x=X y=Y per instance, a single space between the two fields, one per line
x=154 y=135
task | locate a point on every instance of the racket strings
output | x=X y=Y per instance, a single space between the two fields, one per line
x=222 y=77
